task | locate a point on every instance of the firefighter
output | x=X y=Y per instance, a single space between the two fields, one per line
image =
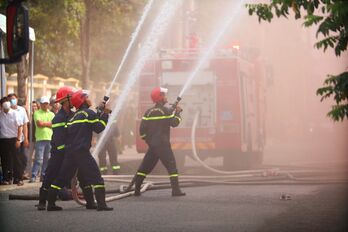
x=80 y=131
x=155 y=130
x=111 y=148
x=59 y=127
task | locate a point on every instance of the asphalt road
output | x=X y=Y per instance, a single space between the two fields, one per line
x=212 y=208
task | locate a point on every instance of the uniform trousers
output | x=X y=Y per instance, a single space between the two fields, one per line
x=163 y=153
x=85 y=163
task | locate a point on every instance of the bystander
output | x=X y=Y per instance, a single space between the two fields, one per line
x=43 y=134
x=10 y=132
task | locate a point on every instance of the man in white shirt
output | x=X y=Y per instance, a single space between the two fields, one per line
x=10 y=131
x=21 y=161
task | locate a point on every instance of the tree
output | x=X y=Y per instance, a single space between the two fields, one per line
x=105 y=29
x=77 y=38
x=81 y=38
x=332 y=18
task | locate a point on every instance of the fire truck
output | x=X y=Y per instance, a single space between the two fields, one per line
x=227 y=93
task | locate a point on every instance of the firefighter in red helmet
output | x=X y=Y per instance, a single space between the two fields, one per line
x=80 y=130
x=155 y=130
x=58 y=141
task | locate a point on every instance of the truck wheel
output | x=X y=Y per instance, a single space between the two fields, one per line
x=235 y=161
x=255 y=158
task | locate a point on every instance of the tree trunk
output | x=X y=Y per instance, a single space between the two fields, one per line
x=22 y=75
x=85 y=45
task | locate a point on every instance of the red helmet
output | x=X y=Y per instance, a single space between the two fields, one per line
x=63 y=93
x=158 y=93
x=78 y=98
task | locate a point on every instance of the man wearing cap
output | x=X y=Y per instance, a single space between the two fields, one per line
x=43 y=134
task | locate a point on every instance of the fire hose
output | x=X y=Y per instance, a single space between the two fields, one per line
x=269 y=176
x=251 y=177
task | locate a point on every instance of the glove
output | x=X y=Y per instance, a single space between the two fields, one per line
x=178 y=110
x=107 y=110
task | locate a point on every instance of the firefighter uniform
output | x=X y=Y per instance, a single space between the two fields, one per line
x=111 y=149
x=155 y=130
x=80 y=130
x=58 y=141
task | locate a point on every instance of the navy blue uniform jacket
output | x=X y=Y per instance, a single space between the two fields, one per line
x=59 y=127
x=81 y=127
x=155 y=125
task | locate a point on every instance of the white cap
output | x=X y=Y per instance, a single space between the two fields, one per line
x=44 y=99
x=163 y=90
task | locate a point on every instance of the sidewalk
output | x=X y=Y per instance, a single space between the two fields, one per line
x=128 y=159
x=26 y=185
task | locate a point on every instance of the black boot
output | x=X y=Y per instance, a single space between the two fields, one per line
x=100 y=196
x=42 y=199
x=103 y=170
x=176 y=192
x=138 y=182
x=116 y=169
x=89 y=197
x=51 y=200
x=115 y=172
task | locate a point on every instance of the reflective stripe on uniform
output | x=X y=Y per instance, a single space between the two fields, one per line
x=178 y=118
x=61 y=147
x=141 y=174
x=87 y=187
x=174 y=175
x=98 y=186
x=83 y=121
x=102 y=122
x=81 y=112
x=55 y=187
x=103 y=168
x=116 y=167
x=61 y=124
x=155 y=109
x=159 y=117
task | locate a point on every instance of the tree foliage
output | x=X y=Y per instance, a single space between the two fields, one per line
x=58 y=32
x=331 y=16
x=57 y=26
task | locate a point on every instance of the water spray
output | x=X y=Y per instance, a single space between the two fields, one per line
x=212 y=46
x=131 y=43
x=158 y=27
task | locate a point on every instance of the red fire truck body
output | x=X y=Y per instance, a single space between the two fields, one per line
x=227 y=93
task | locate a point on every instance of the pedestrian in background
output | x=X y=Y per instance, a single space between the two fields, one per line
x=34 y=107
x=110 y=147
x=54 y=106
x=43 y=134
x=10 y=131
x=20 y=163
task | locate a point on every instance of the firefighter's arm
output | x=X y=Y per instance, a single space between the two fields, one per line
x=98 y=123
x=142 y=129
x=175 y=121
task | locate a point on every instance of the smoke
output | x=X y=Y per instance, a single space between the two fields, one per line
x=296 y=126
x=159 y=26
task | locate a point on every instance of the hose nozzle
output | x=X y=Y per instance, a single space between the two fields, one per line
x=174 y=105
x=101 y=106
